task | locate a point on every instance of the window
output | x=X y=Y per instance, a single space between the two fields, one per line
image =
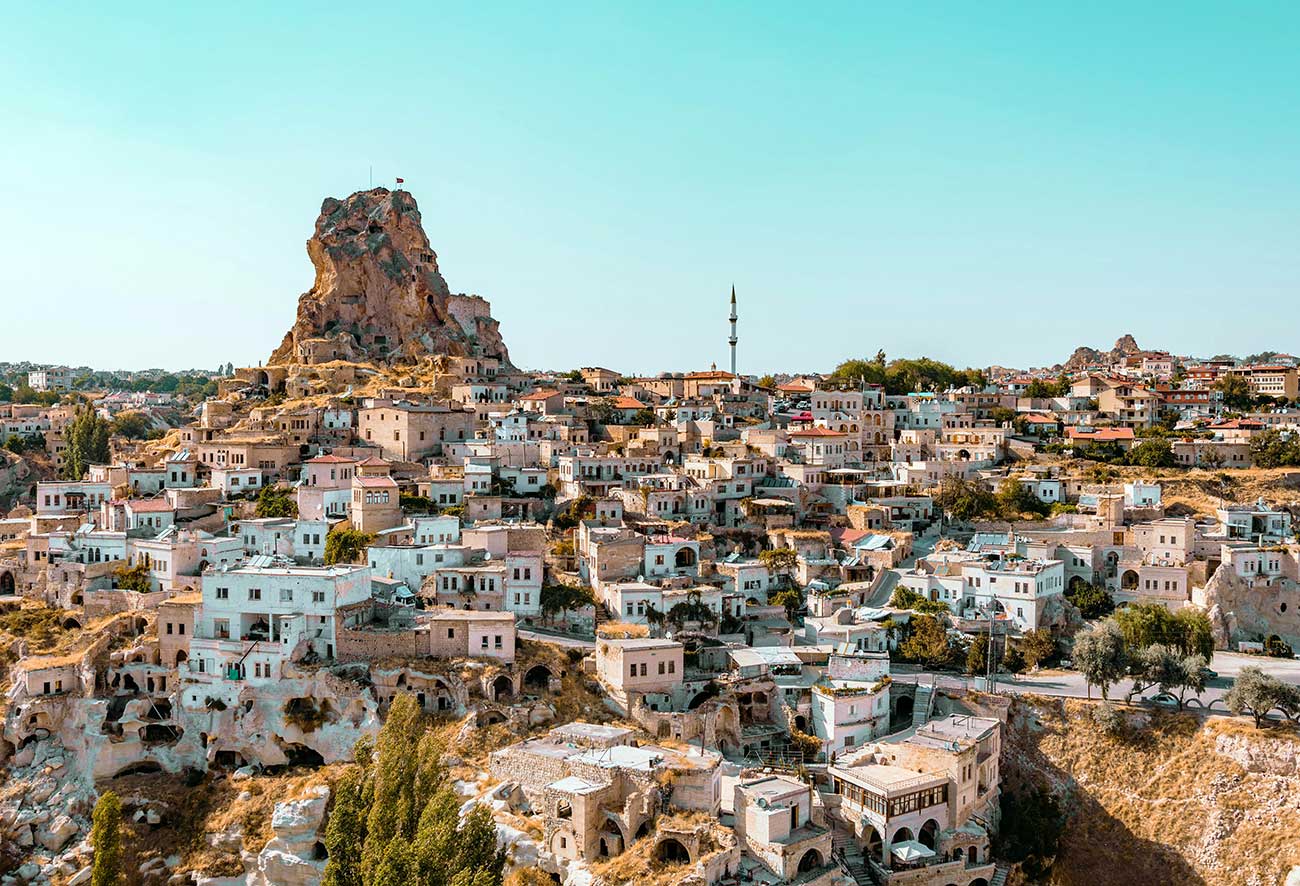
x=318 y=596
x=496 y=641
x=254 y=593
x=223 y=593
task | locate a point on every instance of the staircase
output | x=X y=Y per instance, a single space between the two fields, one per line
x=923 y=704
x=999 y=876
x=845 y=848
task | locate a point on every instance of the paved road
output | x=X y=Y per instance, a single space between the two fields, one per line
x=1071 y=684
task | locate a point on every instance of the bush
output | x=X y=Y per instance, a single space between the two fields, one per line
x=1109 y=720
x=305 y=714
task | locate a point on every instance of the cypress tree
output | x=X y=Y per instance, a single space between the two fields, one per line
x=106 y=841
x=345 y=832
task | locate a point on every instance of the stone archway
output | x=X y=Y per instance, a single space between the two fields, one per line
x=812 y=859
x=672 y=851
x=902 y=835
x=538 y=677
x=1129 y=580
x=7 y=584
x=903 y=707
x=503 y=688
x=929 y=835
x=875 y=845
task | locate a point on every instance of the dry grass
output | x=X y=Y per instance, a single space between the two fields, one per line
x=621 y=630
x=1160 y=804
x=190 y=814
x=638 y=866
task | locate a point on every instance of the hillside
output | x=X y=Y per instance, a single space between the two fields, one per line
x=1174 y=800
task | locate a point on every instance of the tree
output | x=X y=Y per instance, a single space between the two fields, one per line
x=132 y=425
x=963 y=499
x=1092 y=600
x=693 y=609
x=1235 y=390
x=1153 y=452
x=85 y=443
x=1036 y=647
x=133 y=578
x=790 y=599
x=644 y=417
x=927 y=642
x=344 y=545
x=562 y=598
x=106 y=841
x=396 y=818
x=1099 y=654
x=1270 y=449
x=1257 y=693
x=1015 y=499
x=1187 y=631
x=906 y=598
x=272 y=501
x=779 y=560
x=977 y=655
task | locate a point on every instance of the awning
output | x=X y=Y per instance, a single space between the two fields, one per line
x=910 y=851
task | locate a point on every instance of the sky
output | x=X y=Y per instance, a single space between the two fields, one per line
x=982 y=183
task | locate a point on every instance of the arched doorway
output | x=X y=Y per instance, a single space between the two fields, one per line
x=684 y=557
x=671 y=851
x=979 y=881
x=929 y=836
x=7 y=584
x=812 y=859
x=538 y=677
x=1129 y=581
x=875 y=845
x=902 y=835
x=181 y=657
x=488 y=718
x=503 y=687
x=903 y=707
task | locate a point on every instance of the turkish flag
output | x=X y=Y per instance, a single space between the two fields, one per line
x=401 y=180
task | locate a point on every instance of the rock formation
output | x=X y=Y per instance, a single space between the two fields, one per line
x=378 y=294
x=1125 y=346
x=1251 y=610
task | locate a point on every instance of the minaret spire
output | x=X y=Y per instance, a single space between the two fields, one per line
x=732 y=341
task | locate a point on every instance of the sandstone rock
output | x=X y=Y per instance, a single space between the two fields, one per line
x=81 y=876
x=1247 y=609
x=57 y=833
x=1293 y=878
x=1257 y=754
x=28 y=871
x=378 y=293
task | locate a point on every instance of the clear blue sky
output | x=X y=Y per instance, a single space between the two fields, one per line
x=977 y=182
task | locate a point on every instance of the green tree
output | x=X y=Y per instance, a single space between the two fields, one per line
x=272 y=501
x=906 y=598
x=1092 y=600
x=927 y=642
x=555 y=599
x=1100 y=655
x=1036 y=647
x=789 y=599
x=977 y=655
x=1153 y=452
x=133 y=578
x=344 y=545
x=963 y=499
x=396 y=818
x=85 y=443
x=1235 y=390
x=345 y=832
x=106 y=841
x=779 y=560
x=132 y=425
x=1015 y=500
x=1257 y=693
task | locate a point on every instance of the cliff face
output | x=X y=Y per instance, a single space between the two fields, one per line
x=378 y=293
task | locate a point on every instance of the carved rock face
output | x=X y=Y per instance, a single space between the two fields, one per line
x=378 y=293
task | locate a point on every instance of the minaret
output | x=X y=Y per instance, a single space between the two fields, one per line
x=732 y=340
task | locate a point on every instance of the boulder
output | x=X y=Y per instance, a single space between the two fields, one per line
x=56 y=834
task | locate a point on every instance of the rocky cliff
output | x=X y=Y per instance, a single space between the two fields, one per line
x=378 y=294
x=1125 y=346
